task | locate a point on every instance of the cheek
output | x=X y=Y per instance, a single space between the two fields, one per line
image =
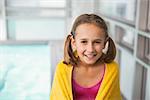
x=103 y=46
x=100 y=47
x=80 y=49
x=79 y=45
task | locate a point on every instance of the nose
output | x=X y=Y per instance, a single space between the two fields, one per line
x=90 y=47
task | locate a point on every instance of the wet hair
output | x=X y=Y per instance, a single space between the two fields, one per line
x=69 y=55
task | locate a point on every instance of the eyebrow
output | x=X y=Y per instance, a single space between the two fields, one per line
x=93 y=40
x=98 y=40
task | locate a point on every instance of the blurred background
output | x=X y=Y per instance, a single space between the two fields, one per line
x=32 y=34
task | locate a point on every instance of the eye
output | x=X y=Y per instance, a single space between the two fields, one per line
x=84 y=42
x=98 y=42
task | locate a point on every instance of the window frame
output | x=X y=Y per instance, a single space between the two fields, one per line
x=120 y=32
x=142 y=19
x=148 y=26
x=140 y=80
x=143 y=50
x=120 y=19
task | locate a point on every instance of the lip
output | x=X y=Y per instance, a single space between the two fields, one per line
x=90 y=56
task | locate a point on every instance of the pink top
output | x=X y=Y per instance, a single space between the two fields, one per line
x=82 y=93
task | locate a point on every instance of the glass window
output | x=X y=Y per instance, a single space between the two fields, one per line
x=148 y=86
x=118 y=56
x=139 y=89
x=126 y=80
x=24 y=74
x=125 y=37
x=2 y=23
x=1 y=5
x=36 y=8
x=33 y=29
x=0 y=14
x=56 y=53
x=119 y=9
x=36 y=19
x=147 y=48
x=149 y=17
x=109 y=28
x=35 y=12
x=52 y=3
x=142 y=19
x=1 y=27
x=143 y=49
x=36 y=3
x=82 y=6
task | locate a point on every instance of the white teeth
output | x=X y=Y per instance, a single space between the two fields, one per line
x=90 y=56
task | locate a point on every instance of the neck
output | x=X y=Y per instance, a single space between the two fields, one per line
x=97 y=64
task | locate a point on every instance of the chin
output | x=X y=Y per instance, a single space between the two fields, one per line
x=90 y=62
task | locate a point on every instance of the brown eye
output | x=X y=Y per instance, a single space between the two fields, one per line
x=98 y=42
x=84 y=42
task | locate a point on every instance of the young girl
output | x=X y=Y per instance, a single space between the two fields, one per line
x=88 y=71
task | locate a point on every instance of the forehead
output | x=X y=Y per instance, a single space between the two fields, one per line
x=89 y=31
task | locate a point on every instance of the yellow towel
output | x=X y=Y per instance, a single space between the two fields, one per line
x=62 y=87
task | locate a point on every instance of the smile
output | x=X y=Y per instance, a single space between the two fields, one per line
x=90 y=56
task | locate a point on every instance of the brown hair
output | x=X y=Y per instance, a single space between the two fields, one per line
x=70 y=57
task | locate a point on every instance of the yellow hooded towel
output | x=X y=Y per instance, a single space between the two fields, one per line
x=62 y=83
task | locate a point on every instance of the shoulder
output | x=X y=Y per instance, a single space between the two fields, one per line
x=113 y=66
x=62 y=67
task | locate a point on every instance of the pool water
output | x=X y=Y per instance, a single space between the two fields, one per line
x=25 y=72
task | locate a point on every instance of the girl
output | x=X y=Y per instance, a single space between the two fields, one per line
x=88 y=71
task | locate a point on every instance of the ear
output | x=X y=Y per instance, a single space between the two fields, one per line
x=106 y=43
x=73 y=44
x=105 y=48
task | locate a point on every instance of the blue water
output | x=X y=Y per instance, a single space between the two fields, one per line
x=24 y=72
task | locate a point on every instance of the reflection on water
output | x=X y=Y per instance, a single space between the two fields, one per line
x=3 y=75
x=24 y=72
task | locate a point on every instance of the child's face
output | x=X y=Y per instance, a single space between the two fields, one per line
x=89 y=42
